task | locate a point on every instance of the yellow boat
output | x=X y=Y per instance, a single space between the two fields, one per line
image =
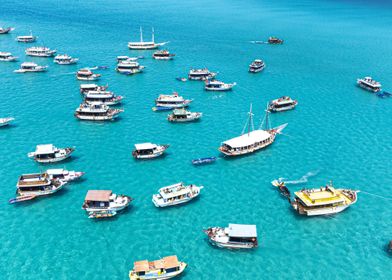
x=323 y=201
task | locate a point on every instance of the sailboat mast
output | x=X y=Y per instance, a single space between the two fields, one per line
x=152 y=36
x=250 y=118
x=141 y=34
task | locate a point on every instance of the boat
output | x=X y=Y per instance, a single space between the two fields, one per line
x=369 y=84
x=181 y=79
x=129 y=67
x=101 y=214
x=48 y=153
x=235 y=236
x=165 y=268
x=163 y=55
x=323 y=201
x=6 y=30
x=5 y=121
x=8 y=57
x=182 y=115
x=201 y=161
x=215 y=85
x=104 y=97
x=40 y=52
x=201 y=74
x=121 y=58
x=148 y=150
x=64 y=175
x=64 y=59
x=87 y=75
x=85 y=88
x=34 y=185
x=256 y=66
x=145 y=45
x=283 y=103
x=27 y=67
x=282 y=188
x=105 y=200
x=275 y=41
x=26 y=38
x=170 y=102
x=96 y=112
x=253 y=140
x=175 y=194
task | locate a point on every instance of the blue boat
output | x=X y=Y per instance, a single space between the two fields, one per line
x=201 y=161
x=161 y=108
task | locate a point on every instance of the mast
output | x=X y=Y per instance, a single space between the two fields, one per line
x=141 y=35
x=152 y=36
x=266 y=120
x=249 y=122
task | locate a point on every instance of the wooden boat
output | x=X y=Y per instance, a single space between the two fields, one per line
x=21 y=198
x=165 y=268
x=275 y=41
x=142 y=45
x=105 y=200
x=48 y=153
x=282 y=188
x=101 y=214
x=201 y=161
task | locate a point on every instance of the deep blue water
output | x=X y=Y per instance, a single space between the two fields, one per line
x=337 y=129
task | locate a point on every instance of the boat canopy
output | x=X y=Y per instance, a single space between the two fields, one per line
x=173 y=191
x=248 y=139
x=98 y=195
x=141 y=266
x=44 y=149
x=242 y=231
x=57 y=171
x=165 y=263
x=145 y=146
x=319 y=197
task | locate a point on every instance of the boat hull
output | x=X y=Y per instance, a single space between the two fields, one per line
x=160 y=204
x=156 y=276
x=96 y=118
x=247 y=151
x=286 y=108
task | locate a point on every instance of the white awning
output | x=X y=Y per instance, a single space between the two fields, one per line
x=44 y=149
x=236 y=230
x=145 y=146
x=248 y=139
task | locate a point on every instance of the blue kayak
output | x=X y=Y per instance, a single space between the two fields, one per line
x=200 y=161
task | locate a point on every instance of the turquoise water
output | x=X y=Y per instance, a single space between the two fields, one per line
x=337 y=130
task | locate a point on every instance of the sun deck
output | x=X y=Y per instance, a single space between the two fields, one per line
x=322 y=196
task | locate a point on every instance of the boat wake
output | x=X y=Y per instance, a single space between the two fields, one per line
x=258 y=42
x=302 y=180
x=377 y=195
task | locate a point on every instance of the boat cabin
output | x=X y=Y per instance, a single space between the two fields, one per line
x=145 y=148
x=166 y=265
x=97 y=199
x=46 y=151
x=242 y=233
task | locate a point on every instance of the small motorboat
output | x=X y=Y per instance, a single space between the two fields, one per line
x=181 y=79
x=6 y=30
x=48 y=153
x=86 y=75
x=182 y=115
x=8 y=57
x=65 y=59
x=282 y=188
x=163 y=55
x=215 y=85
x=148 y=150
x=26 y=38
x=201 y=161
x=235 y=236
x=21 y=198
x=30 y=67
x=275 y=41
x=101 y=214
x=5 y=121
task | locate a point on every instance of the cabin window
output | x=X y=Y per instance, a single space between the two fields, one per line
x=140 y=273
x=172 y=269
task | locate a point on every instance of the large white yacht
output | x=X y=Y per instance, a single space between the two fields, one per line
x=252 y=140
x=48 y=153
x=26 y=67
x=87 y=75
x=129 y=67
x=40 y=52
x=98 y=200
x=170 y=101
x=7 y=56
x=369 y=84
x=26 y=38
x=142 y=45
x=235 y=236
x=175 y=194
x=105 y=97
x=148 y=150
x=96 y=112
x=201 y=74
x=323 y=201
x=64 y=59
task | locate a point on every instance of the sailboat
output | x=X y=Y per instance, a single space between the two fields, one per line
x=254 y=139
x=145 y=45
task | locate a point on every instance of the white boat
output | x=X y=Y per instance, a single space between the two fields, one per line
x=96 y=112
x=6 y=30
x=148 y=150
x=64 y=175
x=105 y=200
x=87 y=75
x=369 y=84
x=215 y=85
x=101 y=214
x=170 y=101
x=85 y=88
x=64 y=59
x=48 y=153
x=26 y=38
x=104 y=97
x=201 y=74
x=283 y=103
x=145 y=45
x=256 y=66
x=30 y=186
x=235 y=236
x=323 y=201
x=121 y=58
x=163 y=55
x=182 y=115
x=5 y=121
x=26 y=67
x=175 y=194
x=129 y=67
x=165 y=268
x=40 y=52
x=8 y=57
x=253 y=140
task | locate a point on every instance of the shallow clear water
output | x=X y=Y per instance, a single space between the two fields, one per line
x=337 y=129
